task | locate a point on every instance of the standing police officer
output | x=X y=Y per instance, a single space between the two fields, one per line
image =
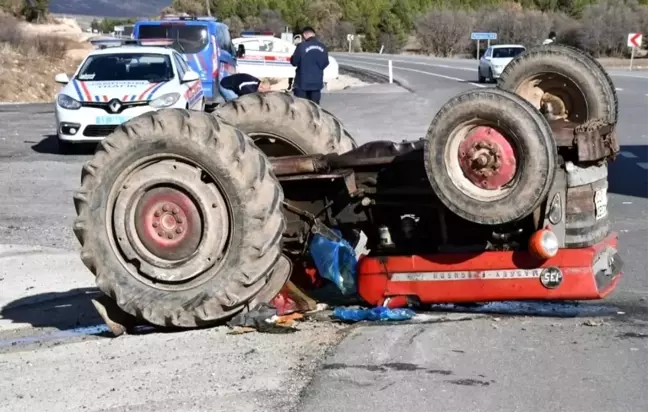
x=310 y=58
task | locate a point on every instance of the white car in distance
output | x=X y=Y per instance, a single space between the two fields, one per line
x=118 y=82
x=495 y=59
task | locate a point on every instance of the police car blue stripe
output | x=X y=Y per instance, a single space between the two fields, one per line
x=194 y=99
x=155 y=89
x=97 y=99
x=133 y=97
x=78 y=90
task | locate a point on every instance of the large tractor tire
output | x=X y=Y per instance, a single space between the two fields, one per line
x=284 y=125
x=568 y=81
x=180 y=219
x=490 y=156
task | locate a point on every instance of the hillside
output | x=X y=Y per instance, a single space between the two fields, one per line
x=108 y=8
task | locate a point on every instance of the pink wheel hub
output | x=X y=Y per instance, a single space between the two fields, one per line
x=168 y=223
x=487 y=158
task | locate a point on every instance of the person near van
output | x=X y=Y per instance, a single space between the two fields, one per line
x=243 y=83
x=550 y=39
x=310 y=59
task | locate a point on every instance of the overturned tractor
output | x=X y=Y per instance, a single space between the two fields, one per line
x=188 y=218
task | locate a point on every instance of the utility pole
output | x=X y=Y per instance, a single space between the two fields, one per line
x=207 y=6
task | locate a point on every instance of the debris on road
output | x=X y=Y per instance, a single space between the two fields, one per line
x=263 y=318
x=373 y=314
x=593 y=323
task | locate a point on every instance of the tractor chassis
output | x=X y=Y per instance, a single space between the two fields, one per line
x=402 y=276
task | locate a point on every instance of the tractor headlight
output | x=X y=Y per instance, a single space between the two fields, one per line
x=66 y=102
x=165 y=100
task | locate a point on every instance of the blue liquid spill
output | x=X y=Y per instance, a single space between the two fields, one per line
x=531 y=308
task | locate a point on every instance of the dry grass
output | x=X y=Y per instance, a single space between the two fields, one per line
x=29 y=62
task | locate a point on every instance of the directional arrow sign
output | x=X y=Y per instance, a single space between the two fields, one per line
x=634 y=39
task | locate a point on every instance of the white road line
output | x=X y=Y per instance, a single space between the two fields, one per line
x=643 y=165
x=628 y=155
x=444 y=66
x=627 y=75
x=619 y=90
x=419 y=71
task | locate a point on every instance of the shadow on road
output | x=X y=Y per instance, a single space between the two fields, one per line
x=628 y=174
x=50 y=145
x=60 y=310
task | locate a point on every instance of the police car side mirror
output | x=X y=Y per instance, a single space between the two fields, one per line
x=62 y=78
x=240 y=51
x=190 y=76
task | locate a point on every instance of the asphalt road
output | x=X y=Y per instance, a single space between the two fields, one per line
x=51 y=357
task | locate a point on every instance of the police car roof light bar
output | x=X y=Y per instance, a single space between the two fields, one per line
x=117 y=42
x=182 y=17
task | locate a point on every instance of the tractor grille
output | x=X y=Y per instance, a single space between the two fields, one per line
x=97 y=130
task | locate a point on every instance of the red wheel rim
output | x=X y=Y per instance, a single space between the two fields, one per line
x=168 y=223
x=487 y=158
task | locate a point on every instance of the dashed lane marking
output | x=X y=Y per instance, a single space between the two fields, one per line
x=643 y=165
x=628 y=155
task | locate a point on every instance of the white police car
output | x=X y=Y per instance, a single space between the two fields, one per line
x=118 y=82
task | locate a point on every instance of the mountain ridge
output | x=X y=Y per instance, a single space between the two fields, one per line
x=108 y=8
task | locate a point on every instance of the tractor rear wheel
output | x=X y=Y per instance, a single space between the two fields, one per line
x=563 y=81
x=490 y=156
x=284 y=125
x=180 y=219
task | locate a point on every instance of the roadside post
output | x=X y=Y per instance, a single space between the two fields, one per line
x=350 y=38
x=634 y=42
x=391 y=72
x=482 y=36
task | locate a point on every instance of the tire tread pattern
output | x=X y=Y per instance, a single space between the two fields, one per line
x=302 y=122
x=256 y=185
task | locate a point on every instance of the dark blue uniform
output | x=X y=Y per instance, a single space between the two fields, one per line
x=241 y=83
x=310 y=58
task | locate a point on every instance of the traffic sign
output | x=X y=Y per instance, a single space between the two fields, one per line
x=483 y=36
x=350 y=37
x=634 y=39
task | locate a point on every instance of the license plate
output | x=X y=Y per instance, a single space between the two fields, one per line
x=111 y=119
x=600 y=203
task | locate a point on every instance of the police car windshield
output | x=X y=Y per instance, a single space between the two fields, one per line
x=188 y=39
x=127 y=67
x=506 y=52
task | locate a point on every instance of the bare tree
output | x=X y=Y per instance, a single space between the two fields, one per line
x=605 y=27
x=444 y=32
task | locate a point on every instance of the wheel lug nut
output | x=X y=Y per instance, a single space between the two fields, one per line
x=179 y=230
x=170 y=235
x=157 y=213
x=165 y=208
x=179 y=220
x=175 y=211
x=161 y=233
x=156 y=224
